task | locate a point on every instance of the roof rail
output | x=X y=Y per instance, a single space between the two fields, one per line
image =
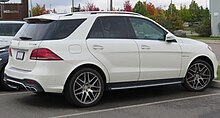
x=108 y=12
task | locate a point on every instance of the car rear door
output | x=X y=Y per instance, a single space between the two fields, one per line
x=110 y=41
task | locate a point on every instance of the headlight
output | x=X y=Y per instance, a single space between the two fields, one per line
x=0 y=59
x=210 y=48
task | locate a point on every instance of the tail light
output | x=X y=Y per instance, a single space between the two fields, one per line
x=44 y=54
x=9 y=51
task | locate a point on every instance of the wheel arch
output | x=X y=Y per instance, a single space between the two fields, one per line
x=89 y=65
x=204 y=58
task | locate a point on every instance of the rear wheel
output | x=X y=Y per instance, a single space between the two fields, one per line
x=85 y=88
x=198 y=76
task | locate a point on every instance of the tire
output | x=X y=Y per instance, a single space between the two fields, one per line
x=3 y=85
x=198 y=76
x=85 y=88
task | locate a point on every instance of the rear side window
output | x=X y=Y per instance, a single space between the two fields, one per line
x=48 y=29
x=110 y=27
x=9 y=29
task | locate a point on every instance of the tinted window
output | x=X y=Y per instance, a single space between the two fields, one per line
x=110 y=27
x=145 y=29
x=49 y=30
x=9 y=29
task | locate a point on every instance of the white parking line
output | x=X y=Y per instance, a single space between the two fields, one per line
x=133 y=106
x=17 y=93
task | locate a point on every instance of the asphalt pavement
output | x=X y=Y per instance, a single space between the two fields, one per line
x=216 y=49
x=154 y=102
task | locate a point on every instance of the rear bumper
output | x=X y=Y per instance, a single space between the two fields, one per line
x=28 y=84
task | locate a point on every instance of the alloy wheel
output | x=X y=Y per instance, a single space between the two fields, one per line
x=198 y=76
x=87 y=87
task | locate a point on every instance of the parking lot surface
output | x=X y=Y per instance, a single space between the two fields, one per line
x=166 y=101
x=216 y=49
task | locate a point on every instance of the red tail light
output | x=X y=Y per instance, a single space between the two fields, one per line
x=9 y=51
x=44 y=54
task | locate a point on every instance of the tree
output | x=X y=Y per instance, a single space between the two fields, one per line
x=127 y=6
x=172 y=10
x=150 y=8
x=140 y=8
x=184 y=14
x=38 y=10
x=194 y=11
x=90 y=7
x=175 y=22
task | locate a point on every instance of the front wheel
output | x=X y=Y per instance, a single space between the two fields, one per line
x=198 y=76
x=85 y=88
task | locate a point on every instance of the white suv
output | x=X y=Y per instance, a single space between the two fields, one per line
x=84 y=54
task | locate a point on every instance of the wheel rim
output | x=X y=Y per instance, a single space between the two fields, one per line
x=198 y=76
x=87 y=87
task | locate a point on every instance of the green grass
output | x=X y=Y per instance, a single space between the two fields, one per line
x=218 y=73
x=203 y=38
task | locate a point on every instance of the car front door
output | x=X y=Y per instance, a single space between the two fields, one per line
x=159 y=59
x=110 y=41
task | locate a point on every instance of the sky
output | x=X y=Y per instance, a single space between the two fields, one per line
x=65 y=5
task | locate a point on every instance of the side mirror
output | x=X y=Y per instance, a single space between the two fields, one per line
x=170 y=38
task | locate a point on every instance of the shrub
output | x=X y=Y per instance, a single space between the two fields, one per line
x=204 y=27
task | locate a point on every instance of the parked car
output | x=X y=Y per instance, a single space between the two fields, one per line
x=3 y=63
x=8 y=29
x=83 y=54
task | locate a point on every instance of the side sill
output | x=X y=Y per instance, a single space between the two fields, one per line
x=142 y=84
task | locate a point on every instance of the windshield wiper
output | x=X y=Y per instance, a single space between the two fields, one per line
x=25 y=38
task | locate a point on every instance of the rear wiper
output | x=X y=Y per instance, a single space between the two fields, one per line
x=25 y=38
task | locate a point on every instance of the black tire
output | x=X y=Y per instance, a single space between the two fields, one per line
x=3 y=85
x=198 y=76
x=85 y=88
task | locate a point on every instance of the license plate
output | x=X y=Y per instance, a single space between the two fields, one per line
x=20 y=55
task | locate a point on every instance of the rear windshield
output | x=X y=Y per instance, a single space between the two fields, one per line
x=48 y=29
x=9 y=29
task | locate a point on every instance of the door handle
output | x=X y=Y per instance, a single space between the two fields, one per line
x=145 y=47
x=98 y=47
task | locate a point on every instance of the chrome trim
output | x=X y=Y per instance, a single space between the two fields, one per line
x=20 y=49
x=142 y=86
x=26 y=87
x=17 y=69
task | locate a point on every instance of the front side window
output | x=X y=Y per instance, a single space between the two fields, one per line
x=9 y=29
x=49 y=29
x=110 y=27
x=145 y=29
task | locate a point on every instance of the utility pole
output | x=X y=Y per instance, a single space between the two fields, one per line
x=31 y=8
x=72 y=6
x=111 y=5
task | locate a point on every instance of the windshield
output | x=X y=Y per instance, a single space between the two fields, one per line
x=48 y=29
x=9 y=29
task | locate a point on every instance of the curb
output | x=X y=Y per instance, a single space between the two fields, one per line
x=215 y=83
x=211 y=41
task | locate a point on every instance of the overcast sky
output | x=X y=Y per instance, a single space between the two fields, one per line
x=65 y=5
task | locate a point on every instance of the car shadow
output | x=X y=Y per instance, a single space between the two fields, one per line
x=112 y=99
